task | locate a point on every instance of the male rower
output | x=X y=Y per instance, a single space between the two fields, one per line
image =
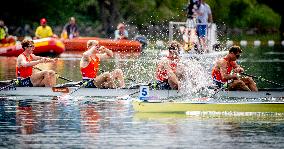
x=90 y=63
x=226 y=71
x=24 y=68
x=168 y=74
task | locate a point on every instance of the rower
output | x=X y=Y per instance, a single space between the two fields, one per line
x=24 y=68
x=226 y=71
x=90 y=63
x=167 y=73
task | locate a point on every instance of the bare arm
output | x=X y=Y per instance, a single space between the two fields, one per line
x=45 y=59
x=237 y=68
x=223 y=70
x=105 y=53
x=21 y=62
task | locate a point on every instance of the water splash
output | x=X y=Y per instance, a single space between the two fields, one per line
x=196 y=79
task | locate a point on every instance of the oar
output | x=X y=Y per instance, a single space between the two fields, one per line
x=63 y=78
x=262 y=79
x=9 y=85
x=82 y=85
x=128 y=95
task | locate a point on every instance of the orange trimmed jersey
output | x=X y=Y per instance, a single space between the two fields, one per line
x=24 y=72
x=92 y=69
x=162 y=75
x=216 y=74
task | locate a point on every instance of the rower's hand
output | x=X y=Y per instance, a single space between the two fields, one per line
x=43 y=59
x=236 y=76
x=54 y=60
x=102 y=48
x=239 y=70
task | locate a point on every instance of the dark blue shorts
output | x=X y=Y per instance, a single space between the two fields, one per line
x=26 y=82
x=201 y=30
x=163 y=85
x=90 y=83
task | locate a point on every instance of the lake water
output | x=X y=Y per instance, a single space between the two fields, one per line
x=46 y=122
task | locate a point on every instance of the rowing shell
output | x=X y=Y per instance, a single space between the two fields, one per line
x=58 y=91
x=153 y=94
x=185 y=107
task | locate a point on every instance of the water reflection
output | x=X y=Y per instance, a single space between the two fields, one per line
x=25 y=117
x=93 y=122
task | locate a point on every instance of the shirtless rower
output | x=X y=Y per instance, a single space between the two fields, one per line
x=168 y=74
x=90 y=63
x=226 y=71
x=24 y=68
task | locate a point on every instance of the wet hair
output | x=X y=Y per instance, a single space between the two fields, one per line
x=235 y=49
x=27 y=43
x=90 y=43
x=174 y=45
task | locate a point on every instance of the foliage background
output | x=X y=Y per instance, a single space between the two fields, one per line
x=100 y=17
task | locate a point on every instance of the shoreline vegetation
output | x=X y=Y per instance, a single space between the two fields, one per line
x=238 y=19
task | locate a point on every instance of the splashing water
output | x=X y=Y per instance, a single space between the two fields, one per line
x=196 y=79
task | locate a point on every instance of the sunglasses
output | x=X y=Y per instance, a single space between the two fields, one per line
x=237 y=56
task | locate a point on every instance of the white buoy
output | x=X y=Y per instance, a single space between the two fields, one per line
x=243 y=43
x=229 y=43
x=282 y=43
x=271 y=43
x=256 y=43
x=159 y=44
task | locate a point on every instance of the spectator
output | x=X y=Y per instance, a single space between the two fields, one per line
x=191 y=9
x=120 y=33
x=44 y=31
x=4 y=36
x=204 y=17
x=70 y=30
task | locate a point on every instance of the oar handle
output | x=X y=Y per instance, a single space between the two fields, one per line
x=262 y=79
x=11 y=84
x=82 y=85
x=63 y=78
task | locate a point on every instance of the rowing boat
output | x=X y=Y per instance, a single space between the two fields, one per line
x=153 y=94
x=59 y=91
x=185 y=107
x=226 y=115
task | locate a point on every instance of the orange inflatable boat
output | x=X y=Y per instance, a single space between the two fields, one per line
x=43 y=46
x=80 y=44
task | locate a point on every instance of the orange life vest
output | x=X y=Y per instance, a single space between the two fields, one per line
x=162 y=75
x=24 y=72
x=92 y=69
x=216 y=74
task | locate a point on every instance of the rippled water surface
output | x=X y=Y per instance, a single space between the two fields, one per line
x=81 y=122
x=36 y=122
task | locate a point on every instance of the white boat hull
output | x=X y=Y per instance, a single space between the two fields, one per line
x=153 y=94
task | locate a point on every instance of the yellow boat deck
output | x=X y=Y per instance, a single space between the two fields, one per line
x=182 y=107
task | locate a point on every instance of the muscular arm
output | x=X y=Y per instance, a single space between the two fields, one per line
x=44 y=59
x=86 y=56
x=237 y=68
x=223 y=70
x=21 y=62
x=105 y=53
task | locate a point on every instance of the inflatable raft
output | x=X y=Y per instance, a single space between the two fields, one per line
x=44 y=46
x=80 y=44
